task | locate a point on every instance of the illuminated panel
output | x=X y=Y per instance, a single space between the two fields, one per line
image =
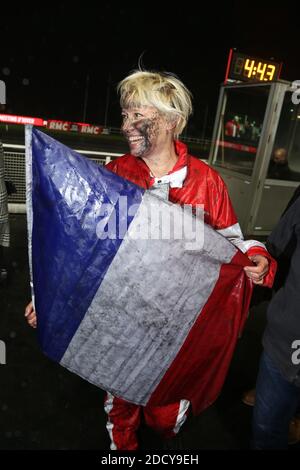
x=12 y=119
x=246 y=68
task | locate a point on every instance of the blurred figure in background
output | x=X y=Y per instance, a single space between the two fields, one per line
x=232 y=127
x=4 y=222
x=279 y=167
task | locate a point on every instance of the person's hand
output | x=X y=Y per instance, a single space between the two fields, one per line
x=30 y=315
x=257 y=273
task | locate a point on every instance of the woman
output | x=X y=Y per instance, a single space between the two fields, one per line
x=155 y=109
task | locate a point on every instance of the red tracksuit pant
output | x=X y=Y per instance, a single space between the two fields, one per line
x=124 y=419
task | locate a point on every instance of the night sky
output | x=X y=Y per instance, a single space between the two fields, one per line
x=54 y=56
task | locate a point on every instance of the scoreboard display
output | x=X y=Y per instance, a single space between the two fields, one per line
x=246 y=68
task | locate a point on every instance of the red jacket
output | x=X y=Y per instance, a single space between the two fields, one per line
x=202 y=186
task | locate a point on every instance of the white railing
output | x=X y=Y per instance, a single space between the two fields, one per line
x=14 y=161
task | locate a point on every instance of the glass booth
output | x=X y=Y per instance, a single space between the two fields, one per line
x=256 y=149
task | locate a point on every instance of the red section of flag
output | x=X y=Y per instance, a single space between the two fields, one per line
x=199 y=369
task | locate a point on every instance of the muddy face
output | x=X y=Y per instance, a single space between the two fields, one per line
x=142 y=128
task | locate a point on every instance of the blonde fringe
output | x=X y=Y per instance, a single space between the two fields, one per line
x=164 y=91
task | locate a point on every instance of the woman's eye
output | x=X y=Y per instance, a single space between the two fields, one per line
x=138 y=115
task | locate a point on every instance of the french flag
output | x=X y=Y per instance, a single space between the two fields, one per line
x=149 y=319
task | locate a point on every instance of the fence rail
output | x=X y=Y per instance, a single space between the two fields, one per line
x=14 y=162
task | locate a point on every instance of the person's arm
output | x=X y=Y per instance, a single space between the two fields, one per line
x=263 y=273
x=225 y=222
x=284 y=232
x=30 y=315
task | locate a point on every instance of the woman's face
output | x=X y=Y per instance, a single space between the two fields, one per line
x=144 y=128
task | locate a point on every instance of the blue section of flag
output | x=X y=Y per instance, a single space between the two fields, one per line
x=69 y=259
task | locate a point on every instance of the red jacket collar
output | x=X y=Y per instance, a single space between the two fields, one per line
x=181 y=151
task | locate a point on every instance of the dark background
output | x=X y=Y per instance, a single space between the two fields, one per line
x=46 y=54
x=56 y=57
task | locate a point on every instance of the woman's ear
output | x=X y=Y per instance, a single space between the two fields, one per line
x=171 y=123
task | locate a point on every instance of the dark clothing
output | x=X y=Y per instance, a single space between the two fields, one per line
x=284 y=259
x=276 y=402
x=278 y=383
x=283 y=326
x=279 y=171
x=293 y=199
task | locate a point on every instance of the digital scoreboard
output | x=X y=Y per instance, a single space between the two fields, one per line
x=247 y=68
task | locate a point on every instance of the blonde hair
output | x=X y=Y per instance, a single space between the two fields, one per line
x=162 y=90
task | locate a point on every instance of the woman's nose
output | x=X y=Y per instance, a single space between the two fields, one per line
x=127 y=124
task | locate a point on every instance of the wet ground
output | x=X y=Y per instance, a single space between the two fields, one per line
x=43 y=406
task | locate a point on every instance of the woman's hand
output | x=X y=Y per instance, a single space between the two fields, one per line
x=30 y=315
x=258 y=272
